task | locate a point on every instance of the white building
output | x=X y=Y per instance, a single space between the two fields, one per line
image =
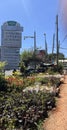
x=11 y=38
x=64 y=62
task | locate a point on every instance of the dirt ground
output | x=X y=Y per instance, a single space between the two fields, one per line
x=58 y=117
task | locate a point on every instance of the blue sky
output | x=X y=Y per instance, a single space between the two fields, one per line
x=34 y=15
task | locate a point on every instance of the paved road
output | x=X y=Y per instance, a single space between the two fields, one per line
x=58 y=119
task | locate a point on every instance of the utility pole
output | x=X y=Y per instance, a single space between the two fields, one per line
x=58 y=47
x=57 y=39
x=35 y=49
x=53 y=46
x=46 y=47
x=53 y=43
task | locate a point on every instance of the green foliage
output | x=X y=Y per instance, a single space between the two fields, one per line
x=3 y=84
x=52 y=71
x=61 y=56
x=18 y=84
x=17 y=73
x=40 y=125
x=22 y=68
x=52 y=81
x=43 y=80
x=59 y=69
x=15 y=83
x=29 y=81
x=52 y=57
x=24 y=110
x=25 y=55
x=2 y=66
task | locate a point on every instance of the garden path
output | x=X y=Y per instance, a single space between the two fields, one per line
x=58 y=117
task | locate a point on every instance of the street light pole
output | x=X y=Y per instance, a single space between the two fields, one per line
x=45 y=40
x=34 y=37
x=45 y=45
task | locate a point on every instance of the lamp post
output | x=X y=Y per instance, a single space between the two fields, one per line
x=34 y=37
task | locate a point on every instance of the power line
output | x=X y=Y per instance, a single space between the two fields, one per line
x=64 y=38
x=63 y=48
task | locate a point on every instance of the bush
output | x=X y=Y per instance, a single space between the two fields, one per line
x=16 y=73
x=43 y=80
x=52 y=81
x=15 y=83
x=23 y=109
x=29 y=81
x=59 y=69
x=3 y=84
x=22 y=68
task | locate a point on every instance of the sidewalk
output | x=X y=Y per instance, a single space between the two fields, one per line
x=58 y=119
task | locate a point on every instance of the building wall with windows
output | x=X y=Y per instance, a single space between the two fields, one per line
x=11 y=39
x=64 y=62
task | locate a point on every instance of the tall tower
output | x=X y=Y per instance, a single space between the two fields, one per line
x=11 y=38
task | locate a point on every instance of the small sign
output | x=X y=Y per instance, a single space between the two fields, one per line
x=11 y=23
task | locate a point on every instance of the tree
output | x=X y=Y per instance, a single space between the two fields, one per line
x=52 y=57
x=25 y=55
x=61 y=56
x=2 y=66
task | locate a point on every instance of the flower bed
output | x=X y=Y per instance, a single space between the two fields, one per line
x=21 y=109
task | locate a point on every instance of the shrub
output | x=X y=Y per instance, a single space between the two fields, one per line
x=22 y=110
x=22 y=68
x=15 y=83
x=3 y=84
x=59 y=69
x=16 y=73
x=43 y=80
x=29 y=81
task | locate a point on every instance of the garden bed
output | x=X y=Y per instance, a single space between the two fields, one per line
x=22 y=107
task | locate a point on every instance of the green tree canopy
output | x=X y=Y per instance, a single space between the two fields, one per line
x=2 y=66
x=53 y=56
x=25 y=55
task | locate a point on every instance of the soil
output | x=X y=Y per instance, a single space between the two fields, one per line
x=57 y=120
